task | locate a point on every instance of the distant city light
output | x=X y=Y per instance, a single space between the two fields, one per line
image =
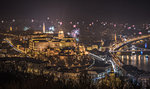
x=60 y=23
x=141 y=52
x=40 y=26
x=140 y=33
x=92 y=23
x=77 y=39
x=70 y=22
x=26 y=28
x=133 y=25
x=2 y=21
x=13 y=20
x=32 y=20
x=129 y=28
x=51 y=28
x=147 y=57
x=74 y=26
x=48 y=18
x=75 y=33
x=68 y=33
x=125 y=39
x=11 y=28
x=145 y=45
x=87 y=27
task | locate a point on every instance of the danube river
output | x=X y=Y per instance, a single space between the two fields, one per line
x=142 y=62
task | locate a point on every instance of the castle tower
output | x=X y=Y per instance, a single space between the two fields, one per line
x=115 y=37
x=10 y=28
x=61 y=34
x=43 y=27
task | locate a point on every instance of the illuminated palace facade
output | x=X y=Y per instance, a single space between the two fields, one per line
x=55 y=41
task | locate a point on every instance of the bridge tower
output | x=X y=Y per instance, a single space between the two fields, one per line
x=61 y=34
x=133 y=48
x=145 y=45
x=115 y=37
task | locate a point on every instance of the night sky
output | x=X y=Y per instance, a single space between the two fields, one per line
x=115 y=10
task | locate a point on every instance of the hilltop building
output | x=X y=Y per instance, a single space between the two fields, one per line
x=42 y=42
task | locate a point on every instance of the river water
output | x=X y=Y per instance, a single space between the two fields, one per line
x=142 y=62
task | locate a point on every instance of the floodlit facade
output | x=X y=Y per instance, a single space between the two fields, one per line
x=42 y=43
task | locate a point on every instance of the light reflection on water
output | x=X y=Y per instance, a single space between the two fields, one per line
x=140 y=61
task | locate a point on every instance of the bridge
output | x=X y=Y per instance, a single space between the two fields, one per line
x=131 y=49
x=116 y=48
x=119 y=45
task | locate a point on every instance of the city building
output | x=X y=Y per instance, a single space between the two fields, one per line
x=42 y=42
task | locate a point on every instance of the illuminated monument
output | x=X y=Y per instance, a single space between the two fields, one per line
x=43 y=27
x=55 y=41
x=10 y=28
x=115 y=37
x=61 y=34
x=50 y=30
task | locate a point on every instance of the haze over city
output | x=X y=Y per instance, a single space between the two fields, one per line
x=114 y=10
x=74 y=44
